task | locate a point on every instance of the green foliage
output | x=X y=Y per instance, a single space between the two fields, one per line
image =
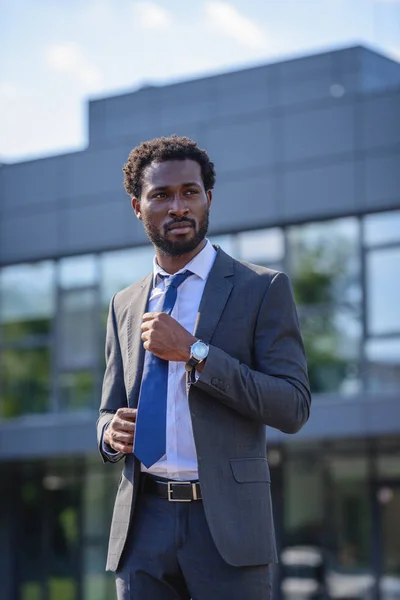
x=320 y=275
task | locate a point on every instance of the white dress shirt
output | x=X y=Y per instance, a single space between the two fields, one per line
x=180 y=460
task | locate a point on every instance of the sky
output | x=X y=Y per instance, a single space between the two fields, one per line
x=58 y=54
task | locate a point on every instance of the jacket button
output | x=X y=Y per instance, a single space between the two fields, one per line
x=214 y=381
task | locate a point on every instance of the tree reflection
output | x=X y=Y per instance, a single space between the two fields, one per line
x=323 y=280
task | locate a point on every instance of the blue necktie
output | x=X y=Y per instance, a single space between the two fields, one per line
x=151 y=418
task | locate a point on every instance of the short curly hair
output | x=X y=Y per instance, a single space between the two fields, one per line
x=159 y=150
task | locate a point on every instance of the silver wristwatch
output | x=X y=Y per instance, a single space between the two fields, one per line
x=198 y=353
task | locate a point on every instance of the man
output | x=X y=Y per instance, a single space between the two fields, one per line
x=201 y=355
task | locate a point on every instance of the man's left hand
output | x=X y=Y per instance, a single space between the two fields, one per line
x=165 y=337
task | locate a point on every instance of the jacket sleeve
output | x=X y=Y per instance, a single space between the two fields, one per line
x=114 y=393
x=276 y=391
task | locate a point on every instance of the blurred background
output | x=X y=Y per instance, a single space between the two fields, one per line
x=298 y=104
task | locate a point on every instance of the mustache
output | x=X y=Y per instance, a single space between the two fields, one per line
x=190 y=222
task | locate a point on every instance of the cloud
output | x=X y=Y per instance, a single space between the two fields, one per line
x=69 y=58
x=152 y=16
x=228 y=20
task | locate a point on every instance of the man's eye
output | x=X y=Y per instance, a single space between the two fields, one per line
x=160 y=195
x=192 y=192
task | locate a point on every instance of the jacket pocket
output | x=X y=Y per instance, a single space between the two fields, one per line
x=247 y=470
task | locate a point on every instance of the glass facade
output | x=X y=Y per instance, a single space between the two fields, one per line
x=337 y=504
x=57 y=513
x=346 y=280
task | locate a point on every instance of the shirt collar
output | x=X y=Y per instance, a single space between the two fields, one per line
x=200 y=265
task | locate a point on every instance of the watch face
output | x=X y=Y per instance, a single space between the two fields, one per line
x=199 y=350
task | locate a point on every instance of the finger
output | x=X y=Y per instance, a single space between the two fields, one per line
x=122 y=437
x=126 y=413
x=150 y=315
x=123 y=425
x=124 y=448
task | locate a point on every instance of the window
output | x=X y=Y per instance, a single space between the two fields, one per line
x=350 y=510
x=78 y=271
x=27 y=301
x=27 y=308
x=77 y=326
x=262 y=247
x=25 y=380
x=121 y=269
x=77 y=332
x=382 y=347
x=226 y=242
x=325 y=271
x=383 y=362
x=382 y=228
x=383 y=290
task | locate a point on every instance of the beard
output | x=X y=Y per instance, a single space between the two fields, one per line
x=176 y=248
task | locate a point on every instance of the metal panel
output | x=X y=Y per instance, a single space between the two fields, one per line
x=28 y=236
x=31 y=183
x=237 y=146
x=97 y=225
x=314 y=192
x=246 y=92
x=187 y=103
x=316 y=133
x=380 y=120
x=244 y=202
x=382 y=181
x=95 y=171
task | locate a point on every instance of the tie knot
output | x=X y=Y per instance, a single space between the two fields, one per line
x=176 y=280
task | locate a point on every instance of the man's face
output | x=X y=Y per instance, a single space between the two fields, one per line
x=174 y=206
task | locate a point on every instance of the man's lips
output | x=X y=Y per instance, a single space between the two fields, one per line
x=182 y=227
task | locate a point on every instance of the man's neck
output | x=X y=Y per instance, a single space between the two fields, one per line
x=173 y=264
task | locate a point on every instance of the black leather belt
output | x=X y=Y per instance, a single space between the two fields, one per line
x=173 y=491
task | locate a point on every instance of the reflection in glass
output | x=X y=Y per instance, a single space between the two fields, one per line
x=76 y=390
x=382 y=228
x=25 y=380
x=262 y=247
x=78 y=348
x=383 y=365
x=302 y=549
x=331 y=336
x=383 y=290
x=26 y=301
x=325 y=262
x=349 y=527
x=226 y=242
x=78 y=271
x=389 y=498
x=325 y=273
x=121 y=269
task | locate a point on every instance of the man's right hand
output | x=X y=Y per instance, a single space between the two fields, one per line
x=120 y=432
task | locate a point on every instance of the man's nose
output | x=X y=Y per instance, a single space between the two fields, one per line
x=178 y=206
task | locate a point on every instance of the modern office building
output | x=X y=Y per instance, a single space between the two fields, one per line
x=307 y=153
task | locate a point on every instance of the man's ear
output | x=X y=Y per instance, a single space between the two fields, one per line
x=136 y=207
x=209 y=197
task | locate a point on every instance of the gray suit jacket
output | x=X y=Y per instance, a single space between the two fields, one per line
x=255 y=375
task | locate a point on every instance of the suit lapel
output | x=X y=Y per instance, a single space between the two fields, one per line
x=137 y=308
x=216 y=293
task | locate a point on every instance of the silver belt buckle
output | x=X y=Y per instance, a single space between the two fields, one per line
x=170 y=490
